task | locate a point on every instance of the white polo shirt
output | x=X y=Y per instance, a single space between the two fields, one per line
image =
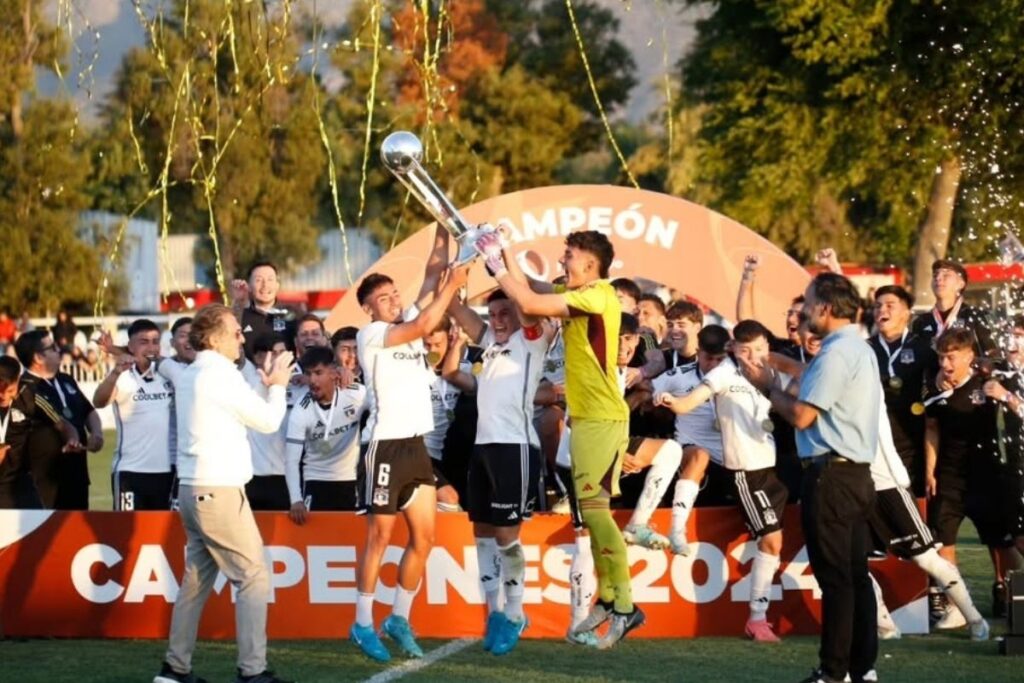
x=506 y=386
x=742 y=412
x=698 y=426
x=397 y=383
x=143 y=409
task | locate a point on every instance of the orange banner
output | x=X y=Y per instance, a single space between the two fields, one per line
x=110 y=574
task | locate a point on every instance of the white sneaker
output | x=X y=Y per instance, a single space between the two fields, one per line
x=951 y=618
x=887 y=628
x=889 y=632
x=869 y=677
x=643 y=535
x=979 y=630
x=561 y=507
x=599 y=613
x=677 y=541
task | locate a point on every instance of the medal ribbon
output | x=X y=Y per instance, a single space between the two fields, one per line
x=892 y=354
x=55 y=383
x=330 y=415
x=947 y=393
x=4 y=423
x=939 y=323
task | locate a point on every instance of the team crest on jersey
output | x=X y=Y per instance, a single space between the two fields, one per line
x=977 y=397
x=17 y=415
x=907 y=356
x=350 y=411
x=770 y=518
x=167 y=385
x=381 y=495
x=279 y=324
x=70 y=390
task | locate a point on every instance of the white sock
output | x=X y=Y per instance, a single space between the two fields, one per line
x=490 y=571
x=364 y=609
x=513 y=576
x=662 y=471
x=950 y=581
x=403 y=601
x=762 y=571
x=682 y=503
x=884 y=619
x=582 y=580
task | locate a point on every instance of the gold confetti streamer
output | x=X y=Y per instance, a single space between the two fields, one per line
x=597 y=98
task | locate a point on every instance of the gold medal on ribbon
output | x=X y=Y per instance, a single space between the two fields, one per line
x=917 y=408
x=896 y=383
x=478 y=367
x=767 y=425
x=433 y=358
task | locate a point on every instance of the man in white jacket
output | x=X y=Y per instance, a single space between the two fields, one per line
x=215 y=405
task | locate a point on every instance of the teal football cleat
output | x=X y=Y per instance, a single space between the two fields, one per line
x=397 y=629
x=495 y=623
x=508 y=636
x=369 y=642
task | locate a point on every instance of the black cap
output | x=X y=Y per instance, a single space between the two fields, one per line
x=947 y=264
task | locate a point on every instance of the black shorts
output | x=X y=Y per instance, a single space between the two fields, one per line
x=142 y=490
x=19 y=493
x=565 y=474
x=504 y=483
x=988 y=504
x=268 y=492
x=718 y=488
x=762 y=499
x=394 y=469
x=897 y=524
x=331 y=496
x=439 y=479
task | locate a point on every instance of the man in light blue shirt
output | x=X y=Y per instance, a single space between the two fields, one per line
x=836 y=417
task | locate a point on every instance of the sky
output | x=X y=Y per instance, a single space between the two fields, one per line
x=106 y=29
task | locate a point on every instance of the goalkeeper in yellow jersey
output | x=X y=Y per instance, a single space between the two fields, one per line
x=600 y=418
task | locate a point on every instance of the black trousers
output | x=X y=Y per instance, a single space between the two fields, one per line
x=836 y=500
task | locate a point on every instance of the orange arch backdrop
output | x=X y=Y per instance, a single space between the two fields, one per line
x=662 y=238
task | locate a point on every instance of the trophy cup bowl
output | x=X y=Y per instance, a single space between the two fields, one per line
x=401 y=152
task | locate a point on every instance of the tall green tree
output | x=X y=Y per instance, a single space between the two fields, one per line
x=504 y=129
x=43 y=264
x=873 y=126
x=217 y=118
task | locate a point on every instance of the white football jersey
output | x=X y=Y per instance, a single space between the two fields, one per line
x=143 y=408
x=506 y=386
x=397 y=382
x=742 y=413
x=328 y=434
x=698 y=426
x=443 y=397
x=267 y=449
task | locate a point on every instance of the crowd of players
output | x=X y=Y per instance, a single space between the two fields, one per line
x=432 y=408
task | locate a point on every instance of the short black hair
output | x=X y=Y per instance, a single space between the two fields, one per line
x=713 y=339
x=28 y=345
x=594 y=243
x=317 y=356
x=180 y=323
x=896 y=291
x=629 y=324
x=654 y=299
x=798 y=299
x=260 y=264
x=497 y=295
x=838 y=293
x=10 y=371
x=748 y=330
x=1017 y=322
x=265 y=342
x=347 y=333
x=370 y=284
x=142 y=325
x=624 y=284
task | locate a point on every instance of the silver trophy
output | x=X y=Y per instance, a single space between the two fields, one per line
x=401 y=153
